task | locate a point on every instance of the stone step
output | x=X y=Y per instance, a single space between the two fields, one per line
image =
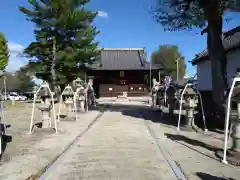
x=122 y=99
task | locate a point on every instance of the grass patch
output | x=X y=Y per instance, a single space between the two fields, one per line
x=8 y=104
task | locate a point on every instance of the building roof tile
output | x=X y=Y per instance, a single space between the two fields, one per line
x=231 y=40
x=123 y=59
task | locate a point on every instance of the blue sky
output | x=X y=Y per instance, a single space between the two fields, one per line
x=122 y=24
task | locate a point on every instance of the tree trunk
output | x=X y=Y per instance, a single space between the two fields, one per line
x=53 y=71
x=218 y=59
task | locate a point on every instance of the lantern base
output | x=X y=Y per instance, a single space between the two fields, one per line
x=187 y=128
x=233 y=157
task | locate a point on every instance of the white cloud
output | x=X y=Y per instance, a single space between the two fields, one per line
x=103 y=14
x=186 y=75
x=15 y=59
x=37 y=81
x=15 y=48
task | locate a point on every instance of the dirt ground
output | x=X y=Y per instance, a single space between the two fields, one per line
x=26 y=154
x=17 y=118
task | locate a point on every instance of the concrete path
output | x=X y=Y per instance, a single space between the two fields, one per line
x=193 y=152
x=118 y=146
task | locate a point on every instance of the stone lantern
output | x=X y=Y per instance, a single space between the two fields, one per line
x=233 y=154
x=68 y=95
x=90 y=93
x=155 y=89
x=236 y=124
x=80 y=95
x=77 y=83
x=189 y=105
x=45 y=107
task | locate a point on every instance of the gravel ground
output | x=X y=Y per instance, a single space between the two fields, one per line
x=117 y=147
x=18 y=117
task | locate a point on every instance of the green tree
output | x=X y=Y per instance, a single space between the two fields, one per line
x=25 y=81
x=167 y=56
x=65 y=39
x=17 y=82
x=4 y=55
x=208 y=15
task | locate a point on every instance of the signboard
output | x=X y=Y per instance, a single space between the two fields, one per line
x=121 y=73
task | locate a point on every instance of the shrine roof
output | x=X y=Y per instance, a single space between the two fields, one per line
x=123 y=59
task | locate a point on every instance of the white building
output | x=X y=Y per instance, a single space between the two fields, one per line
x=231 y=43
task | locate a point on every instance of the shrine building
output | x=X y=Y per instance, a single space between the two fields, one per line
x=122 y=71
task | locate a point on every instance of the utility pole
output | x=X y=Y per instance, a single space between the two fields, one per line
x=177 y=61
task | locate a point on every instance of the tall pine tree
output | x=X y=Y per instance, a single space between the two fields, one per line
x=4 y=55
x=208 y=15
x=65 y=39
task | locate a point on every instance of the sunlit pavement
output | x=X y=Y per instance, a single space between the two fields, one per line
x=118 y=146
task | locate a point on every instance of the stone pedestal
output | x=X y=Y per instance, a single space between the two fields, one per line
x=46 y=115
x=189 y=106
x=236 y=136
x=236 y=131
x=189 y=117
x=188 y=120
x=69 y=104
x=82 y=105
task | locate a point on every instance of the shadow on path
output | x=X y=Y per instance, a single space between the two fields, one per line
x=142 y=112
x=205 y=176
x=177 y=137
x=156 y=116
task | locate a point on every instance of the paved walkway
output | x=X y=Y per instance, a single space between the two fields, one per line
x=118 y=146
x=194 y=152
